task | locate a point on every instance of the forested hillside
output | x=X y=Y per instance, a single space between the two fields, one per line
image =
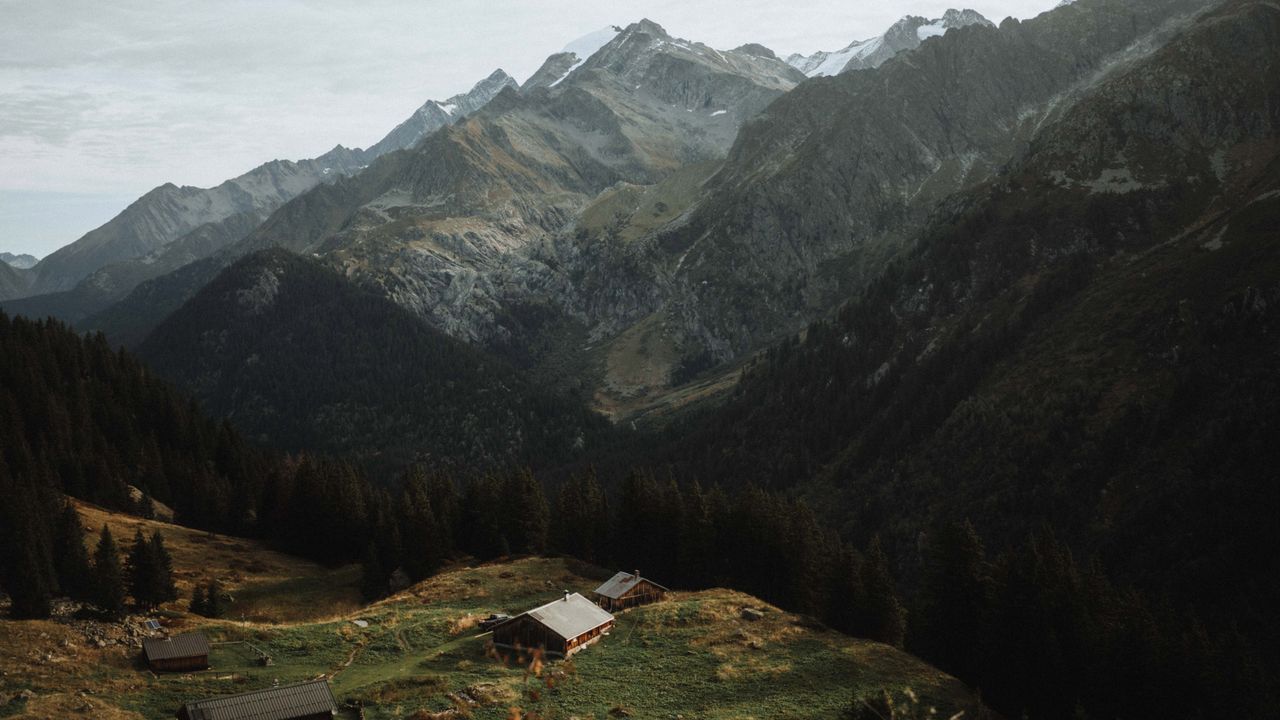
x=303 y=359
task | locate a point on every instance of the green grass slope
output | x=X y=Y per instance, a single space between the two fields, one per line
x=422 y=655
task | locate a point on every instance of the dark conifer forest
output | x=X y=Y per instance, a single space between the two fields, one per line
x=1014 y=623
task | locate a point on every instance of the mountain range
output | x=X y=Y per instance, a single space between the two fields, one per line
x=956 y=286
x=172 y=226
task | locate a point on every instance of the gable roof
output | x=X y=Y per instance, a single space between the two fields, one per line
x=186 y=645
x=568 y=617
x=277 y=703
x=622 y=583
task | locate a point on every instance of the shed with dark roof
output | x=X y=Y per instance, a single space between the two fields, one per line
x=303 y=701
x=561 y=627
x=627 y=590
x=178 y=653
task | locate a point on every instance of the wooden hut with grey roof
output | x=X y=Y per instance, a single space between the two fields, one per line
x=561 y=627
x=179 y=653
x=301 y=701
x=627 y=590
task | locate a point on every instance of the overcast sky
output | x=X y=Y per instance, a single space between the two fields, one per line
x=101 y=101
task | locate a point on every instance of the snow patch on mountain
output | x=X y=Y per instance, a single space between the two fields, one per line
x=906 y=34
x=586 y=46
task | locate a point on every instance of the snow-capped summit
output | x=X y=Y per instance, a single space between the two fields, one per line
x=906 y=34
x=586 y=46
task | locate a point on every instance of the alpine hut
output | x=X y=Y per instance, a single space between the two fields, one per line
x=179 y=653
x=302 y=701
x=627 y=590
x=562 y=627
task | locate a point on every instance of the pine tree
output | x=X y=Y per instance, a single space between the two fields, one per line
x=108 y=577
x=162 y=587
x=32 y=587
x=373 y=576
x=527 y=514
x=199 y=604
x=146 y=508
x=140 y=571
x=215 y=604
x=70 y=556
x=955 y=599
x=882 y=616
x=419 y=536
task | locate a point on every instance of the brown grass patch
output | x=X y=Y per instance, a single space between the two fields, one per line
x=63 y=705
x=199 y=556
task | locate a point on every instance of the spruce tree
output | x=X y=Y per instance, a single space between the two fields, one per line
x=31 y=579
x=199 y=604
x=71 y=559
x=162 y=587
x=140 y=571
x=108 y=577
x=215 y=604
x=373 y=576
x=527 y=514
x=419 y=535
x=955 y=598
x=883 y=617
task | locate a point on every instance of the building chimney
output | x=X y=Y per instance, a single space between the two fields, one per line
x=637 y=573
x=566 y=596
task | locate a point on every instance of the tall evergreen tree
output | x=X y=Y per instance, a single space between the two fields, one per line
x=108 y=577
x=955 y=597
x=162 y=586
x=526 y=512
x=882 y=616
x=215 y=602
x=71 y=558
x=199 y=604
x=419 y=536
x=31 y=580
x=373 y=575
x=140 y=571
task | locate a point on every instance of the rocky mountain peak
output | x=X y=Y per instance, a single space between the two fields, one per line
x=905 y=34
x=757 y=50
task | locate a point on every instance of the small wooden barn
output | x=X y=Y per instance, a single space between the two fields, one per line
x=561 y=627
x=302 y=701
x=627 y=590
x=178 y=653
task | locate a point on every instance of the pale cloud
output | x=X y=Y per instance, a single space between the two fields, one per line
x=115 y=98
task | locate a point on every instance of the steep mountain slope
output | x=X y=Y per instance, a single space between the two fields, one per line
x=13 y=281
x=444 y=229
x=301 y=358
x=840 y=173
x=253 y=197
x=906 y=34
x=1087 y=341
